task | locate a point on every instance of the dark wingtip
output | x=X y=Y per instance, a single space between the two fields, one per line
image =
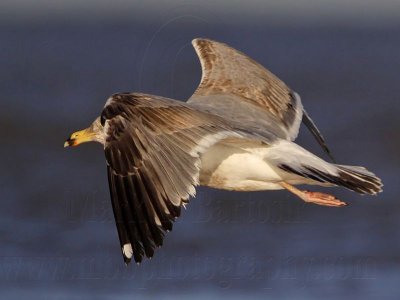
x=126 y=260
x=317 y=134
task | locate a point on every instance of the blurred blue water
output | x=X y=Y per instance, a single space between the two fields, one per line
x=57 y=234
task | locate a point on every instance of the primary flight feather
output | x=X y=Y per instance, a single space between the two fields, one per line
x=236 y=132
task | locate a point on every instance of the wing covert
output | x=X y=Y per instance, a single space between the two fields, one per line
x=228 y=75
x=238 y=88
x=153 y=148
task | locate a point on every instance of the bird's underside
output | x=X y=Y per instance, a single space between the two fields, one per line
x=159 y=149
x=236 y=133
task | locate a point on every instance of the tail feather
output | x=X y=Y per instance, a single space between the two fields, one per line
x=357 y=179
x=294 y=159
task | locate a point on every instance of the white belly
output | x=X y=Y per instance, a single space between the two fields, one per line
x=240 y=167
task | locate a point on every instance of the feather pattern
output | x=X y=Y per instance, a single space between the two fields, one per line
x=241 y=90
x=234 y=133
x=153 y=148
x=233 y=83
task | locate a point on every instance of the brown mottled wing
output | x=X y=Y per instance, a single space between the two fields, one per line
x=238 y=88
x=152 y=150
x=232 y=79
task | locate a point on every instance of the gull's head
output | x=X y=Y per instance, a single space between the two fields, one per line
x=94 y=133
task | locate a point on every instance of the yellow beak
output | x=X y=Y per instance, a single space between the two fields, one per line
x=79 y=137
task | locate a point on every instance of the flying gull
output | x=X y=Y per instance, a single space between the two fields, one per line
x=236 y=133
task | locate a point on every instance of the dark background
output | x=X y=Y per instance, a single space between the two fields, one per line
x=59 y=62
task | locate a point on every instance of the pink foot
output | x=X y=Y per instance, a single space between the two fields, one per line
x=322 y=199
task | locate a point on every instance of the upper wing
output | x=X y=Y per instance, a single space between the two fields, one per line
x=153 y=148
x=238 y=88
x=232 y=80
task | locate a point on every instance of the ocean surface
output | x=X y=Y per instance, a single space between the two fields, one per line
x=57 y=234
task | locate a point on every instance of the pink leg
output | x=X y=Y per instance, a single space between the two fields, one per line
x=314 y=197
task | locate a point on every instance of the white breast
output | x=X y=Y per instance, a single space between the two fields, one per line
x=240 y=167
